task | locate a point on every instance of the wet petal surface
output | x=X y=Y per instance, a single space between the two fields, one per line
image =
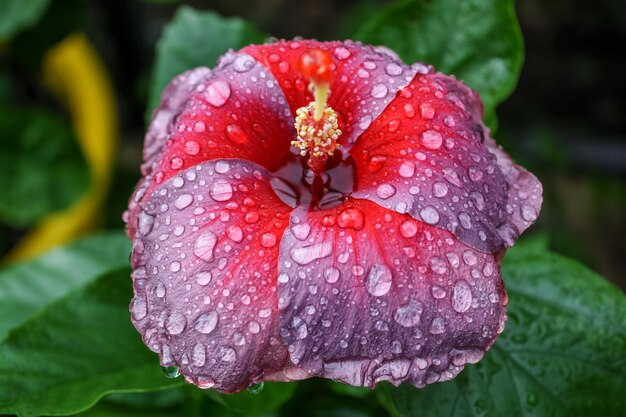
x=365 y=79
x=368 y=295
x=425 y=155
x=235 y=111
x=204 y=273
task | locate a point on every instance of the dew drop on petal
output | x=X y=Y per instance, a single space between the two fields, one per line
x=430 y=215
x=221 y=190
x=378 y=280
x=408 y=228
x=175 y=323
x=207 y=322
x=227 y=354
x=198 y=355
x=254 y=327
x=236 y=134
x=234 y=233
x=268 y=240
x=385 y=191
x=379 y=91
x=461 y=296
x=331 y=274
x=217 y=93
x=393 y=69
x=410 y=314
x=431 y=139
x=341 y=53
x=204 y=277
x=306 y=254
x=203 y=248
x=440 y=189
x=351 y=218
x=407 y=169
x=183 y=201
x=437 y=326
x=301 y=231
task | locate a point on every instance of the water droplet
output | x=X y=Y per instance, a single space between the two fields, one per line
x=301 y=231
x=192 y=147
x=409 y=110
x=145 y=223
x=429 y=215
x=385 y=191
x=465 y=220
x=440 y=189
x=204 y=277
x=438 y=292
x=175 y=323
x=437 y=326
x=221 y=190
x=379 y=91
x=256 y=388
x=378 y=281
x=234 y=233
x=351 y=218
x=461 y=296
x=431 y=139
x=217 y=93
x=449 y=121
x=227 y=354
x=408 y=228
x=175 y=266
x=438 y=265
x=160 y=290
x=393 y=125
x=176 y=163
x=236 y=134
x=183 y=201
x=427 y=111
x=376 y=162
x=299 y=327
x=205 y=382
x=283 y=67
x=410 y=314
x=306 y=254
x=393 y=69
x=341 y=53
x=139 y=307
x=198 y=355
x=170 y=371
x=407 y=169
x=254 y=327
x=365 y=121
x=222 y=166
x=331 y=274
x=528 y=213
x=204 y=245
x=207 y=322
x=470 y=258
x=198 y=127
x=243 y=63
x=268 y=240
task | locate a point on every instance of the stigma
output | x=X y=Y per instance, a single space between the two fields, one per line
x=317 y=125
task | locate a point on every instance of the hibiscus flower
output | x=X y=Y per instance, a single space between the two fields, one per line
x=322 y=209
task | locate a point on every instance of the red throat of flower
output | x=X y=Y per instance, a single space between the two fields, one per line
x=316 y=124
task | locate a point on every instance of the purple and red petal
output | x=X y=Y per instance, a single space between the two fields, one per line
x=368 y=295
x=426 y=155
x=204 y=264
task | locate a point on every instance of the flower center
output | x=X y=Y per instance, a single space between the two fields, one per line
x=319 y=177
x=316 y=124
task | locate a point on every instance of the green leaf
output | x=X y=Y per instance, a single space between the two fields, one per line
x=16 y=15
x=479 y=41
x=41 y=167
x=194 y=39
x=79 y=348
x=269 y=398
x=26 y=288
x=561 y=353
